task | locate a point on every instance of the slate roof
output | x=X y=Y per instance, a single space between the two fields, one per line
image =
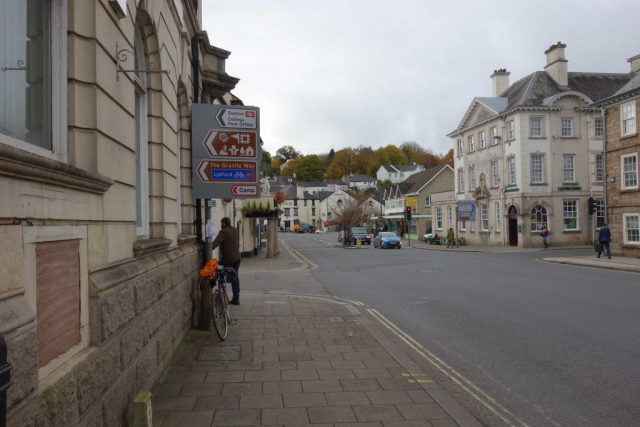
x=534 y=89
x=311 y=184
x=290 y=192
x=406 y=168
x=389 y=168
x=334 y=182
x=415 y=182
x=361 y=178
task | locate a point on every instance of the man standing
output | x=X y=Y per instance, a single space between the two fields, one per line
x=604 y=238
x=545 y=234
x=228 y=241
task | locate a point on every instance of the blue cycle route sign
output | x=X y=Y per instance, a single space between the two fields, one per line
x=466 y=210
x=232 y=175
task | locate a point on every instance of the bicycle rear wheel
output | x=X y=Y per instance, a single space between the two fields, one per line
x=220 y=315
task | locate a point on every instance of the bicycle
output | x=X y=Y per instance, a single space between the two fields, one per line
x=219 y=301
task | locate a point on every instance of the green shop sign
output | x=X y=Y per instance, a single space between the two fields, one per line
x=569 y=188
x=511 y=190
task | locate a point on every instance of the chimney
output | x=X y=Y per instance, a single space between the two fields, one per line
x=500 y=80
x=556 y=64
x=635 y=63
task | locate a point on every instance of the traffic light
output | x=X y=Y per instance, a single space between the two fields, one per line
x=407 y=213
x=593 y=205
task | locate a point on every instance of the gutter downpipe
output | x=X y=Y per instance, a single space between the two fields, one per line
x=195 y=71
x=604 y=161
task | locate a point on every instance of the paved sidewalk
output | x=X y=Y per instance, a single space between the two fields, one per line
x=615 y=263
x=418 y=244
x=299 y=361
x=286 y=260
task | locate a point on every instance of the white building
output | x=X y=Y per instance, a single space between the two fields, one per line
x=360 y=181
x=532 y=154
x=397 y=173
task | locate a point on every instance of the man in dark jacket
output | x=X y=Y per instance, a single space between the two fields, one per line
x=228 y=241
x=604 y=238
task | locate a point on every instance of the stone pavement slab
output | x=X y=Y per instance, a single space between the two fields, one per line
x=297 y=360
x=631 y=265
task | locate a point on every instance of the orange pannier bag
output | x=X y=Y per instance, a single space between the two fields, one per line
x=209 y=269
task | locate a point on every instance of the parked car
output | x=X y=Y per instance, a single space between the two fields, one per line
x=322 y=230
x=387 y=240
x=358 y=233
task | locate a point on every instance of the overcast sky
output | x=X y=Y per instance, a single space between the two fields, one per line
x=339 y=73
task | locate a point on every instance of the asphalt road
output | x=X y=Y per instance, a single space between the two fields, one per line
x=552 y=345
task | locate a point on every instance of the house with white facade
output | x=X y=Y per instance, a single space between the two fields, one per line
x=331 y=202
x=359 y=181
x=397 y=173
x=311 y=187
x=335 y=184
x=532 y=154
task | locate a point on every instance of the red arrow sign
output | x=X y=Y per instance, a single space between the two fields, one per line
x=244 y=190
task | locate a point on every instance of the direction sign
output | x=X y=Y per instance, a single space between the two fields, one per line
x=231 y=144
x=244 y=190
x=225 y=151
x=227 y=171
x=466 y=210
x=237 y=118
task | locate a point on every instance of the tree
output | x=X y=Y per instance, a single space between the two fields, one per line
x=289 y=168
x=276 y=162
x=341 y=164
x=309 y=168
x=352 y=213
x=447 y=159
x=287 y=153
x=391 y=155
x=430 y=159
x=332 y=153
x=413 y=151
x=265 y=163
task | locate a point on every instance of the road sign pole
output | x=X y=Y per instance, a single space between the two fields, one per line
x=456 y=231
x=208 y=245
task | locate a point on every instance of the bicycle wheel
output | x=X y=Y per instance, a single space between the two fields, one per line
x=220 y=316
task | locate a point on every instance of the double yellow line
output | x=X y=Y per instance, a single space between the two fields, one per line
x=483 y=398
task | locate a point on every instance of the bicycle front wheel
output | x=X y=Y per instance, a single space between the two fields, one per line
x=220 y=315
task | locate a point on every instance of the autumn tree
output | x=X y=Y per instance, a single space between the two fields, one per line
x=289 y=168
x=447 y=159
x=413 y=151
x=265 y=164
x=287 y=153
x=341 y=164
x=309 y=168
x=352 y=213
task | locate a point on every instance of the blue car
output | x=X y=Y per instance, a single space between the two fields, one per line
x=387 y=240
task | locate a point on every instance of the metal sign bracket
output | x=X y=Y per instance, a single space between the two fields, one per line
x=122 y=56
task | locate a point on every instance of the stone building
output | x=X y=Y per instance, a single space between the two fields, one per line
x=532 y=155
x=622 y=152
x=97 y=249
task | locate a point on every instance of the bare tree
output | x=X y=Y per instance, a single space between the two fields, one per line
x=352 y=213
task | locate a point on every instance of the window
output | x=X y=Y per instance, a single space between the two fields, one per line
x=483 y=140
x=313 y=202
x=512 y=170
x=401 y=174
x=340 y=203
x=460 y=147
x=472 y=144
x=463 y=225
x=34 y=78
x=328 y=215
x=631 y=228
x=599 y=127
x=539 y=218
x=495 y=175
x=313 y=211
x=472 y=177
x=305 y=203
x=566 y=127
x=599 y=213
x=570 y=214
x=438 y=218
x=370 y=203
x=460 y=180
x=295 y=202
x=629 y=171
x=511 y=130
x=628 y=118
x=569 y=168
x=535 y=127
x=449 y=218
x=295 y=211
x=498 y=222
x=484 y=212
x=537 y=172
x=494 y=133
x=141 y=138
x=427 y=201
x=599 y=168
x=287 y=211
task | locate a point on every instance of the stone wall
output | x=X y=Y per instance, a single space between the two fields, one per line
x=140 y=312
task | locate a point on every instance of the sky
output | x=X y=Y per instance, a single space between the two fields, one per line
x=344 y=73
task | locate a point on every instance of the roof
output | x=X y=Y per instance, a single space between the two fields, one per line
x=333 y=182
x=311 y=184
x=361 y=178
x=627 y=90
x=290 y=192
x=538 y=89
x=389 y=168
x=406 y=168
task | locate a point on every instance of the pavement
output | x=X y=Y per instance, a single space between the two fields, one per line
x=615 y=263
x=419 y=244
x=298 y=359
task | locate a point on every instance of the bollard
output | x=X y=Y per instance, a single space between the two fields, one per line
x=5 y=380
x=142 y=410
x=358 y=242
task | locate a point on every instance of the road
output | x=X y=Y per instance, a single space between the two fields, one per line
x=539 y=344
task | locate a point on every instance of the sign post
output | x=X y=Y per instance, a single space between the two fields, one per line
x=225 y=159
x=465 y=211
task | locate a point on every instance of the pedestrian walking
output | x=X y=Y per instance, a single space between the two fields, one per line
x=604 y=239
x=450 y=238
x=228 y=241
x=544 y=233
